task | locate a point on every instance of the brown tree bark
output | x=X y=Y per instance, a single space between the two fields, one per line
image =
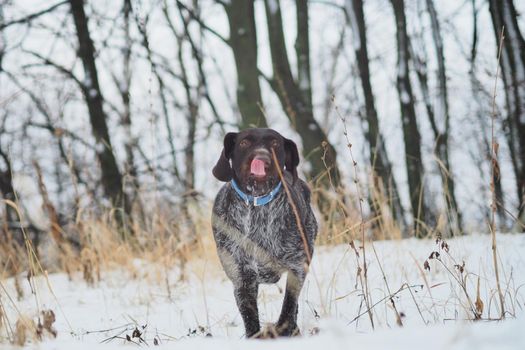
x=243 y=41
x=192 y=101
x=111 y=177
x=317 y=151
x=503 y=14
x=193 y=96
x=441 y=134
x=485 y=143
x=130 y=143
x=302 y=51
x=8 y=193
x=163 y=89
x=412 y=138
x=383 y=177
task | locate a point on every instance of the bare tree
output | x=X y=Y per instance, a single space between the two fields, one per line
x=320 y=154
x=193 y=94
x=243 y=42
x=130 y=142
x=2 y=38
x=480 y=94
x=512 y=62
x=7 y=191
x=412 y=138
x=383 y=178
x=111 y=176
x=302 y=52
x=440 y=123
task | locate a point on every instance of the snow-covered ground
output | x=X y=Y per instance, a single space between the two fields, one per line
x=180 y=314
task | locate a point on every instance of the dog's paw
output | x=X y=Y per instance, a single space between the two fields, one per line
x=268 y=332
x=287 y=330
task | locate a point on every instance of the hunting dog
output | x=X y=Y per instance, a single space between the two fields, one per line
x=262 y=222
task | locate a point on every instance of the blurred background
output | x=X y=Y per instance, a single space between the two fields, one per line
x=410 y=115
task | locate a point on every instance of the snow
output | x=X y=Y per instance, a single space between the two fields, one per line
x=304 y=80
x=88 y=84
x=434 y=307
x=478 y=336
x=100 y=147
x=405 y=97
x=273 y=6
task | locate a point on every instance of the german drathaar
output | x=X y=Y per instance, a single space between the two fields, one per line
x=262 y=222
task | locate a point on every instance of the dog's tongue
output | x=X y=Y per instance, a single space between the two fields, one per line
x=257 y=167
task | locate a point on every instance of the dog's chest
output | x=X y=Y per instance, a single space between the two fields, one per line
x=263 y=224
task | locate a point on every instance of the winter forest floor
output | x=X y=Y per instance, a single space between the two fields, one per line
x=146 y=304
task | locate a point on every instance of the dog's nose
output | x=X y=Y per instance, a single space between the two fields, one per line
x=262 y=154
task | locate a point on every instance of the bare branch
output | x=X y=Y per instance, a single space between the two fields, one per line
x=59 y=67
x=32 y=16
x=195 y=17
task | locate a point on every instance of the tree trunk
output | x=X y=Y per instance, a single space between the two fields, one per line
x=8 y=193
x=2 y=38
x=512 y=64
x=317 y=151
x=383 y=177
x=243 y=41
x=441 y=133
x=130 y=143
x=484 y=142
x=192 y=100
x=191 y=119
x=412 y=138
x=302 y=51
x=111 y=177
x=163 y=89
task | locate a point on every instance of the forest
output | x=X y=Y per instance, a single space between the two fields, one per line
x=409 y=116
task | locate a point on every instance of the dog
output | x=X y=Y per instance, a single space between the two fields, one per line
x=262 y=222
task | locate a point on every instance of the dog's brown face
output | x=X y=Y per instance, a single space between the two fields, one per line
x=252 y=164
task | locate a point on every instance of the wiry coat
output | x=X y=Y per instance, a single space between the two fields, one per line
x=257 y=244
x=263 y=240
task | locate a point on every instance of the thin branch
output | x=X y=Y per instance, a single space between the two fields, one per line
x=59 y=132
x=197 y=54
x=32 y=16
x=202 y=24
x=59 y=67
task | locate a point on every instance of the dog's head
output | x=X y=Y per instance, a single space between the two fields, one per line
x=247 y=158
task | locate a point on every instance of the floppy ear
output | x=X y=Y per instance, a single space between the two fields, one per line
x=292 y=157
x=222 y=170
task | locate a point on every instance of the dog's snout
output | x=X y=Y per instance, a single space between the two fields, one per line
x=262 y=154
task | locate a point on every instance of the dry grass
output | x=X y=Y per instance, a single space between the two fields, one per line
x=91 y=245
x=94 y=243
x=105 y=249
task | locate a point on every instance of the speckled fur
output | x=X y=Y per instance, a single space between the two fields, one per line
x=258 y=244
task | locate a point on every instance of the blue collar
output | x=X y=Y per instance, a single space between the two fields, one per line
x=257 y=201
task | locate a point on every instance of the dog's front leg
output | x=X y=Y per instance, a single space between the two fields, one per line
x=246 y=297
x=287 y=324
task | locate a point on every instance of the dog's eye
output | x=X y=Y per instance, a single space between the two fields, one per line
x=244 y=143
x=274 y=143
